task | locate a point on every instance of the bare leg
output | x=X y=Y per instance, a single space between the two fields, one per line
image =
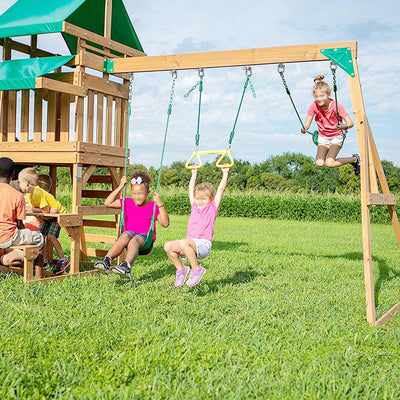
x=134 y=245
x=118 y=247
x=321 y=155
x=184 y=247
x=38 y=265
x=11 y=259
x=57 y=245
x=332 y=161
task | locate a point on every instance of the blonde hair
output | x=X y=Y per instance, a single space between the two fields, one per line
x=44 y=182
x=29 y=175
x=206 y=188
x=320 y=84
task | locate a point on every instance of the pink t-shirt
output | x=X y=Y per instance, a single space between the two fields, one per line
x=326 y=119
x=138 y=219
x=201 y=222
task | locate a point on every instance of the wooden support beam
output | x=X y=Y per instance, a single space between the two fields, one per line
x=25 y=49
x=232 y=58
x=100 y=40
x=58 y=86
x=360 y=124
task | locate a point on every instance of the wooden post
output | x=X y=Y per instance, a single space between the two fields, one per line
x=361 y=124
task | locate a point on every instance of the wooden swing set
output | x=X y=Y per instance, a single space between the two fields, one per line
x=86 y=117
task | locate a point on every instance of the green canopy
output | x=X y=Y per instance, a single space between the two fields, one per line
x=32 y=17
x=21 y=74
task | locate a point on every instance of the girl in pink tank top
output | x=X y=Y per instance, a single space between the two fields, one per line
x=197 y=244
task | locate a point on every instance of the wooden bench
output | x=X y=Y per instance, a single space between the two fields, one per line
x=30 y=253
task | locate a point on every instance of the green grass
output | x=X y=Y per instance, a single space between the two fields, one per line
x=280 y=314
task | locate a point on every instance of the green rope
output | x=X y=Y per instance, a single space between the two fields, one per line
x=129 y=111
x=149 y=240
x=248 y=75
x=200 y=85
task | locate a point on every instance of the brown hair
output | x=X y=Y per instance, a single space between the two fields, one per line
x=44 y=182
x=205 y=188
x=320 y=84
x=29 y=175
x=144 y=175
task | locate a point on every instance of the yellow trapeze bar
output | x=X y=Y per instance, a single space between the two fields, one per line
x=198 y=154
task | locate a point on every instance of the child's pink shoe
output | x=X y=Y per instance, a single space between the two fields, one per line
x=181 y=276
x=195 y=276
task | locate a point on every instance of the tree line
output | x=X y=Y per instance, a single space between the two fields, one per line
x=289 y=172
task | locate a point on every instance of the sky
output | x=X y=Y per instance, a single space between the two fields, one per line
x=267 y=124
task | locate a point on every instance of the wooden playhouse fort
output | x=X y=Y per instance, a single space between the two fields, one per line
x=72 y=110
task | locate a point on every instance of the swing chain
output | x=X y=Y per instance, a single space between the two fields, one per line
x=129 y=111
x=249 y=73
x=171 y=99
x=333 y=67
x=199 y=83
x=281 y=70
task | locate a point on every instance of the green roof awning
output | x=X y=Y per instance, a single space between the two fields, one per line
x=32 y=17
x=21 y=74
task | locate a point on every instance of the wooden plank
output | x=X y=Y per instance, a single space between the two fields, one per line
x=105 y=53
x=107 y=19
x=100 y=149
x=90 y=117
x=94 y=38
x=100 y=179
x=38 y=119
x=118 y=122
x=38 y=158
x=109 y=120
x=99 y=118
x=4 y=116
x=232 y=58
x=124 y=128
x=97 y=210
x=33 y=48
x=25 y=115
x=100 y=160
x=96 y=223
x=99 y=253
x=105 y=86
x=25 y=49
x=67 y=220
x=96 y=194
x=79 y=114
x=94 y=238
x=65 y=110
x=66 y=77
x=12 y=116
x=58 y=86
x=378 y=199
x=51 y=117
x=76 y=188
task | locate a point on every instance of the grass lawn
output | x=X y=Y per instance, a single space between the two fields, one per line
x=280 y=314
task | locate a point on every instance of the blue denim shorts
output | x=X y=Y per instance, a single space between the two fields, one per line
x=142 y=235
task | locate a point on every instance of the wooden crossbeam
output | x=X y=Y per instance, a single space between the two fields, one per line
x=232 y=58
